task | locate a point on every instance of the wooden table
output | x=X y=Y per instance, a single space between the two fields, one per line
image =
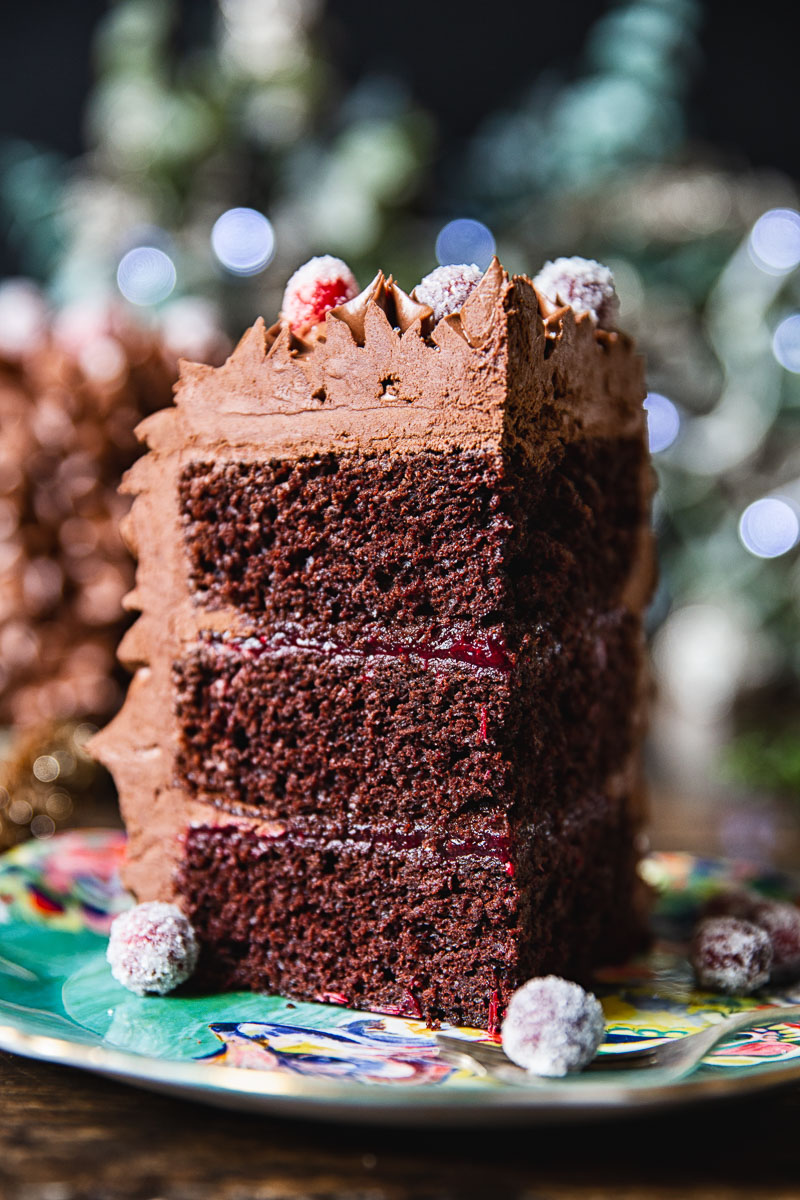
x=68 y=1136
x=65 y=1135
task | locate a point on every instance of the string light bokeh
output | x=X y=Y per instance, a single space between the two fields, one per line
x=465 y=241
x=786 y=343
x=663 y=422
x=769 y=527
x=775 y=241
x=146 y=275
x=243 y=241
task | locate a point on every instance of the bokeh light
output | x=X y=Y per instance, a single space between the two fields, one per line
x=46 y=768
x=243 y=240
x=775 y=241
x=103 y=360
x=701 y=654
x=146 y=275
x=191 y=327
x=23 y=318
x=769 y=527
x=20 y=812
x=42 y=826
x=786 y=343
x=663 y=421
x=465 y=241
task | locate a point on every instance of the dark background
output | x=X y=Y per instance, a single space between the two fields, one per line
x=460 y=61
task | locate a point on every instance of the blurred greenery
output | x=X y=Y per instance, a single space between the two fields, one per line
x=765 y=762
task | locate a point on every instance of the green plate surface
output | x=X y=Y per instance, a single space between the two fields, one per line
x=58 y=1002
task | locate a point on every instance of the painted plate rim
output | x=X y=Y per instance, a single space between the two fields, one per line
x=272 y=1092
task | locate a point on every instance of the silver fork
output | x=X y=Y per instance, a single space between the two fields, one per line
x=679 y=1055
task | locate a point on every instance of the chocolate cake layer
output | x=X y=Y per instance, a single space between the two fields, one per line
x=400 y=537
x=409 y=929
x=269 y=726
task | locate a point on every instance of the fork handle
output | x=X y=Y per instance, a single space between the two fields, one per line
x=754 y=1018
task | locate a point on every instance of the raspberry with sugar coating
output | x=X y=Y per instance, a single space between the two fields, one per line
x=314 y=289
x=447 y=289
x=152 y=948
x=587 y=286
x=730 y=955
x=552 y=1026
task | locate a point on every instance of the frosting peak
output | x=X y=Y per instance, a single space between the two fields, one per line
x=401 y=311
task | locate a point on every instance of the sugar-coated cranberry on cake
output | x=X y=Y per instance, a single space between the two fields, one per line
x=382 y=743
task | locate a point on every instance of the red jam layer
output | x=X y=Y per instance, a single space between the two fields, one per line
x=488 y=845
x=488 y=653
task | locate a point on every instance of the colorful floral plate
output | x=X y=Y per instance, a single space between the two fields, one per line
x=58 y=1002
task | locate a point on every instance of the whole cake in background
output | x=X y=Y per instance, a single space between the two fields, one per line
x=382 y=744
x=74 y=384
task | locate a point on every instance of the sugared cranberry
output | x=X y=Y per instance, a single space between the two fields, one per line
x=552 y=1026
x=152 y=948
x=447 y=289
x=314 y=289
x=730 y=955
x=781 y=922
x=587 y=286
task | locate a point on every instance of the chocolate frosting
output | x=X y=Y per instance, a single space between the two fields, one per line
x=380 y=375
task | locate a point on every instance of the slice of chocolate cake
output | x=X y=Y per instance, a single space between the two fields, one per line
x=382 y=743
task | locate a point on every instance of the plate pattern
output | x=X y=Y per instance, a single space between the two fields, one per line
x=68 y=883
x=58 y=897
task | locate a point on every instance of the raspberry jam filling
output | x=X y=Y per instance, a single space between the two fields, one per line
x=490 y=845
x=488 y=653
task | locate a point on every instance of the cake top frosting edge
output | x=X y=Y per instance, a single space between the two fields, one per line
x=379 y=366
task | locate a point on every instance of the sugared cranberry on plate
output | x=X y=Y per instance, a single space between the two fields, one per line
x=730 y=955
x=780 y=920
x=152 y=948
x=552 y=1026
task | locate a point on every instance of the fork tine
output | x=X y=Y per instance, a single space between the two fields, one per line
x=488 y=1054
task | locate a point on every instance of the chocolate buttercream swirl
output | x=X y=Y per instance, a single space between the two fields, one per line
x=401 y=311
